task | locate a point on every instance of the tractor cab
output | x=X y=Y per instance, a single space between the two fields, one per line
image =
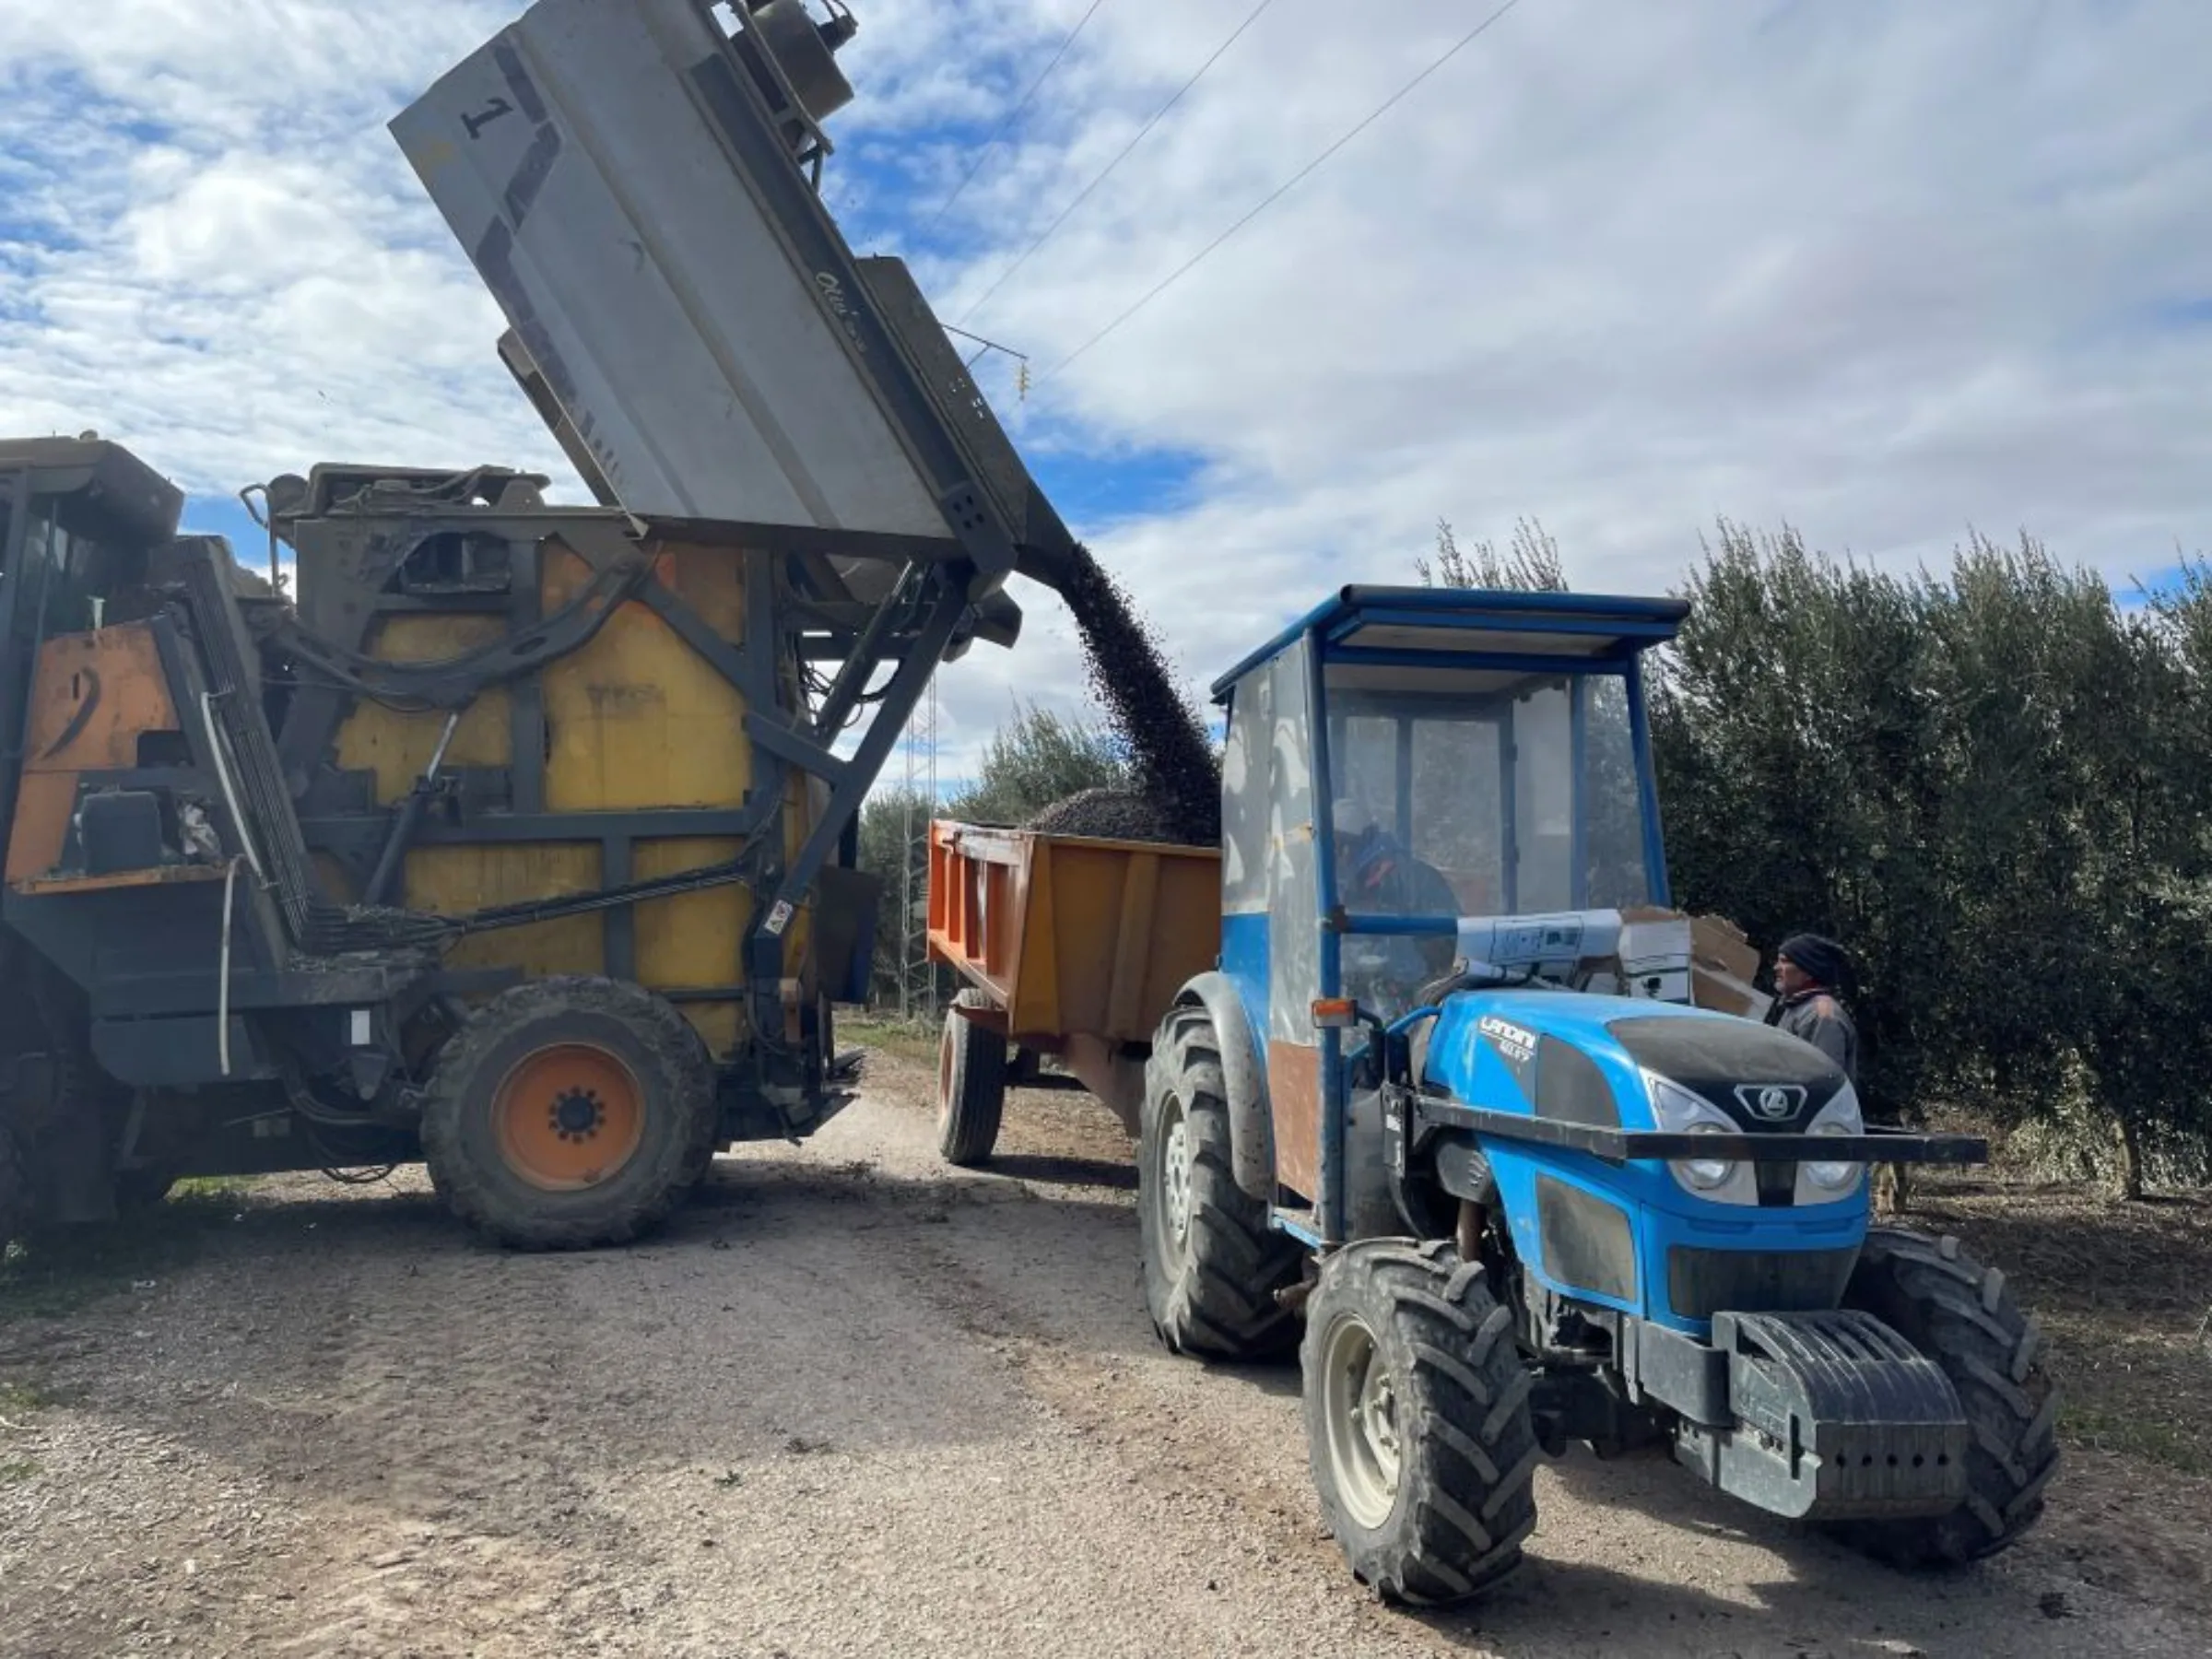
x=1423 y=786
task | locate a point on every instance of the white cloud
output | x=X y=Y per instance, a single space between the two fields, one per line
x=1885 y=270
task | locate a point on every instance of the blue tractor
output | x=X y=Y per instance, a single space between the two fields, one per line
x=1447 y=1100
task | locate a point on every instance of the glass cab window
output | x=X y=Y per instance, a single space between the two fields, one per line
x=1475 y=794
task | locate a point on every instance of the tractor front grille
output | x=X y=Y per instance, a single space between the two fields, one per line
x=1700 y=1283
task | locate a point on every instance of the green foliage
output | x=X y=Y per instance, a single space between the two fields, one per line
x=1036 y=759
x=893 y=822
x=1530 y=562
x=1995 y=786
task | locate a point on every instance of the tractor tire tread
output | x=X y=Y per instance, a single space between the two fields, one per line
x=1963 y=1316
x=470 y=1189
x=1215 y=1296
x=1466 y=1496
x=972 y=1103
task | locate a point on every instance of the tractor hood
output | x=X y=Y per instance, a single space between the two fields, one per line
x=1583 y=1059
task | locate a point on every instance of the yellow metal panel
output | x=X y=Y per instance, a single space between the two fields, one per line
x=396 y=747
x=335 y=880
x=453 y=879
x=693 y=940
x=636 y=718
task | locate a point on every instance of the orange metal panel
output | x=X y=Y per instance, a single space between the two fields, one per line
x=1294 y=1092
x=1071 y=935
x=93 y=695
x=43 y=803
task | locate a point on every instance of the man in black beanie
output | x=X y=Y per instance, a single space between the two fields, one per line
x=1808 y=973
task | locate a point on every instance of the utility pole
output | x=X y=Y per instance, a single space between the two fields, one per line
x=917 y=983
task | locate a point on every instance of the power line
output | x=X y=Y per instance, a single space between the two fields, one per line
x=1012 y=116
x=1288 y=186
x=1082 y=196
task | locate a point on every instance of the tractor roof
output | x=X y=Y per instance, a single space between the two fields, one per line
x=1411 y=627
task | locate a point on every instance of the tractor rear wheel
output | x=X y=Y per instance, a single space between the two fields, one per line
x=1212 y=1264
x=1417 y=1421
x=971 y=1083
x=1961 y=1315
x=569 y=1112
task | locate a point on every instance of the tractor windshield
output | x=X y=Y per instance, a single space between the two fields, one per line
x=1521 y=801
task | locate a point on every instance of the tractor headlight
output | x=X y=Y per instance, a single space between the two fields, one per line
x=1704 y=1174
x=1826 y=1183
x=1675 y=1110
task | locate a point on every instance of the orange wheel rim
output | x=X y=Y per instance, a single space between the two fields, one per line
x=944 y=1066
x=569 y=1116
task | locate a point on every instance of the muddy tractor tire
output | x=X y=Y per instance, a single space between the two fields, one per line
x=1417 y=1421
x=1961 y=1315
x=972 y=1083
x=1212 y=1264
x=569 y=1112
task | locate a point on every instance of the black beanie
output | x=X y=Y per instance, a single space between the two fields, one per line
x=1823 y=959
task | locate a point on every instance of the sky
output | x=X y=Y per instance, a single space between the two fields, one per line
x=1886 y=272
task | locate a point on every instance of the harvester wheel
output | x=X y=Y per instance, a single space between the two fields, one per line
x=1212 y=1264
x=1417 y=1421
x=1962 y=1316
x=971 y=1083
x=569 y=1112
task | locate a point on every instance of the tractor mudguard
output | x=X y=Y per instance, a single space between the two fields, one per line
x=1250 y=1120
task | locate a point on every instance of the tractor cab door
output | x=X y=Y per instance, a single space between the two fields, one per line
x=1271 y=894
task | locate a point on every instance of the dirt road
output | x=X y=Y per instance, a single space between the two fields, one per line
x=851 y=1404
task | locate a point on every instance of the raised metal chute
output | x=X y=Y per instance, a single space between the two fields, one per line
x=636 y=183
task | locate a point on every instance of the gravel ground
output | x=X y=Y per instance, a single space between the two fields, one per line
x=852 y=1403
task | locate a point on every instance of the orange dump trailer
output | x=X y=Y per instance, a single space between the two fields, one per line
x=1071 y=946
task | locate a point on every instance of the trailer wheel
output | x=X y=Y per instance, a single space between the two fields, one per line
x=569 y=1112
x=1417 y=1421
x=1212 y=1264
x=1961 y=1315
x=972 y=1083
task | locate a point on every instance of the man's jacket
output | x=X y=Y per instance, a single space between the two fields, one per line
x=1821 y=1019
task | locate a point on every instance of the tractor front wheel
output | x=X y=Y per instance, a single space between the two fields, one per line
x=1212 y=1264
x=1418 y=1422
x=1961 y=1315
x=568 y=1112
x=971 y=1083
